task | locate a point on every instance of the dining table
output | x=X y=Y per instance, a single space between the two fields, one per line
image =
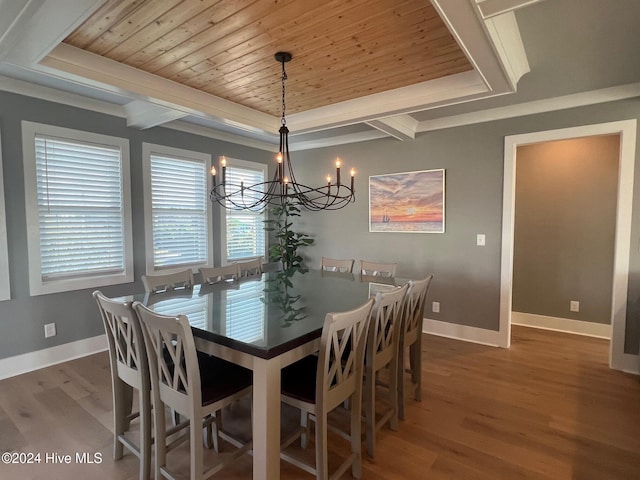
x=265 y=323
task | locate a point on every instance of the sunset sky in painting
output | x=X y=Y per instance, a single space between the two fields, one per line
x=407 y=197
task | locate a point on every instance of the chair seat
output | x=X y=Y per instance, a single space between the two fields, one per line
x=299 y=379
x=220 y=379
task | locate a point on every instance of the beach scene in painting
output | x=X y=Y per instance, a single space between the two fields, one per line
x=411 y=202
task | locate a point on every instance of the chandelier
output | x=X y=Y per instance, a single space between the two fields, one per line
x=283 y=188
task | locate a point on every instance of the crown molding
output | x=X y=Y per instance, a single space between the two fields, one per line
x=582 y=99
x=49 y=94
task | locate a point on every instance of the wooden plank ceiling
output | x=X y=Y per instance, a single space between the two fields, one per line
x=341 y=49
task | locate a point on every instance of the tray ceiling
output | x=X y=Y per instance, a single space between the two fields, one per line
x=366 y=63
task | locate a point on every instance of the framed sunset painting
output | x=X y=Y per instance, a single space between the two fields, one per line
x=409 y=202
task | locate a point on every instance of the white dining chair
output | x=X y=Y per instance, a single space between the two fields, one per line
x=382 y=353
x=411 y=342
x=318 y=384
x=250 y=268
x=219 y=274
x=129 y=371
x=337 y=265
x=168 y=281
x=197 y=393
x=378 y=269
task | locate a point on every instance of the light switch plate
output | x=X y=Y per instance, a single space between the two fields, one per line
x=50 y=330
x=481 y=240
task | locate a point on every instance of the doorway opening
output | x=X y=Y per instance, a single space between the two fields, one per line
x=626 y=131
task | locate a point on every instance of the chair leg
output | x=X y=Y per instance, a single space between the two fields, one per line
x=370 y=412
x=322 y=455
x=160 y=437
x=393 y=393
x=196 y=447
x=416 y=371
x=122 y=405
x=304 y=424
x=400 y=380
x=356 y=436
x=217 y=427
x=145 y=435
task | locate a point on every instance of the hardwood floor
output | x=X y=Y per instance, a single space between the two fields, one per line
x=547 y=408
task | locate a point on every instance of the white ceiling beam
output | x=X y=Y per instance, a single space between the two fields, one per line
x=392 y=102
x=35 y=27
x=491 y=8
x=145 y=115
x=101 y=72
x=402 y=127
x=505 y=35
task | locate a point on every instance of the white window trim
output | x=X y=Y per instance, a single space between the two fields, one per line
x=234 y=162
x=36 y=285
x=5 y=288
x=149 y=149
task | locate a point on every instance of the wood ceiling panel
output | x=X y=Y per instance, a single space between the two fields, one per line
x=342 y=49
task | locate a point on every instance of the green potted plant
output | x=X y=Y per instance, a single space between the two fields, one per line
x=285 y=250
x=287 y=241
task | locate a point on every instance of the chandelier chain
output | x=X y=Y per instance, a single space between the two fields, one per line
x=284 y=104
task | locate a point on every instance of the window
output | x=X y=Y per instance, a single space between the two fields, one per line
x=244 y=230
x=78 y=209
x=177 y=208
x=5 y=291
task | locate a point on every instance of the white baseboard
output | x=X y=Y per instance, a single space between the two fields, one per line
x=567 y=325
x=462 y=332
x=27 y=362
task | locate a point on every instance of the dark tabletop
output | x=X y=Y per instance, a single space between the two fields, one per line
x=263 y=317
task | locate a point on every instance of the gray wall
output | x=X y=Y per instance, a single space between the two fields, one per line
x=566 y=194
x=22 y=318
x=467 y=277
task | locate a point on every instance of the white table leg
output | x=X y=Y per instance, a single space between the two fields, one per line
x=266 y=419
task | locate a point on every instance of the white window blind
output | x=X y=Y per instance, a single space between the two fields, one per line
x=80 y=208
x=245 y=229
x=180 y=223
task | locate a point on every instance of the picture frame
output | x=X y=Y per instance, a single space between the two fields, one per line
x=407 y=202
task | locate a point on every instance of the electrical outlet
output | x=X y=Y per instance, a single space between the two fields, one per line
x=574 y=306
x=435 y=307
x=50 y=330
x=481 y=240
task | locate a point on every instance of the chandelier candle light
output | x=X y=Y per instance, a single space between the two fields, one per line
x=283 y=188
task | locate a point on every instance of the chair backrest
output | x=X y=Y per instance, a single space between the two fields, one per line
x=127 y=351
x=414 y=305
x=341 y=356
x=173 y=361
x=168 y=281
x=335 y=265
x=378 y=269
x=219 y=274
x=384 y=330
x=250 y=268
